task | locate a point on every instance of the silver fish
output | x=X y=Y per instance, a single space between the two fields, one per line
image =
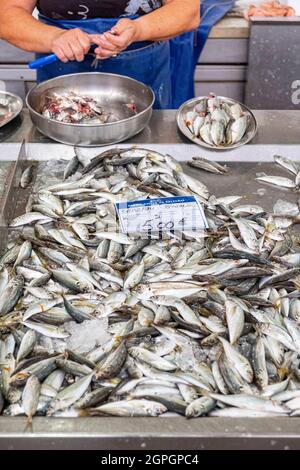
x=27 y=344
x=288 y=164
x=251 y=402
x=238 y=129
x=69 y=395
x=113 y=363
x=46 y=329
x=130 y=408
x=26 y=177
x=29 y=218
x=71 y=167
x=151 y=359
x=11 y=294
x=207 y=165
x=238 y=360
x=52 y=383
x=235 y=320
x=30 y=397
x=199 y=407
x=259 y=364
x=280 y=181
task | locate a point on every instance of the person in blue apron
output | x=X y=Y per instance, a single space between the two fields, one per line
x=127 y=37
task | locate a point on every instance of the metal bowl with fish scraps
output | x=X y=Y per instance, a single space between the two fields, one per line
x=10 y=107
x=90 y=109
x=216 y=122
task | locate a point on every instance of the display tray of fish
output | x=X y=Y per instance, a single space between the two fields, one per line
x=10 y=107
x=73 y=108
x=216 y=122
x=96 y=322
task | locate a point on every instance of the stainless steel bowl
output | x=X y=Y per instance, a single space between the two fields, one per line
x=189 y=106
x=112 y=91
x=10 y=107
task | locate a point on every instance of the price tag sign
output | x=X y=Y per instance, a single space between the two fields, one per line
x=167 y=214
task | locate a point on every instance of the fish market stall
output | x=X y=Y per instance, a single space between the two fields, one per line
x=251 y=204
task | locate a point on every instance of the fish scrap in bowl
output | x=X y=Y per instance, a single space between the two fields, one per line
x=217 y=122
x=73 y=108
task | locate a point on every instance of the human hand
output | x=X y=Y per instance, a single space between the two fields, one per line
x=72 y=44
x=111 y=43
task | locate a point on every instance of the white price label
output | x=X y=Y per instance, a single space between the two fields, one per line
x=167 y=214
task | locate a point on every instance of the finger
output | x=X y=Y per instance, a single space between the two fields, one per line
x=85 y=43
x=104 y=44
x=100 y=50
x=103 y=54
x=60 y=54
x=118 y=41
x=67 y=51
x=95 y=38
x=121 y=26
x=121 y=41
x=78 y=51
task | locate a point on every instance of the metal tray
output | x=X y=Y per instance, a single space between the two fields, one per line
x=172 y=433
x=189 y=105
x=10 y=107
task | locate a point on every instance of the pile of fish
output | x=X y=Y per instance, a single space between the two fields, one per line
x=217 y=122
x=282 y=181
x=70 y=107
x=199 y=323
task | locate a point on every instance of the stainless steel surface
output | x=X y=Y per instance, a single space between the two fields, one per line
x=173 y=433
x=189 y=106
x=112 y=91
x=11 y=195
x=150 y=434
x=162 y=129
x=225 y=51
x=10 y=107
x=224 y=79
x=274 y=67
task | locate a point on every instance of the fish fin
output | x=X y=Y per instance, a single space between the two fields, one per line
x=29 y=425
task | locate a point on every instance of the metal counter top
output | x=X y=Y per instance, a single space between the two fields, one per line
x=275 y=128
x=278 y=133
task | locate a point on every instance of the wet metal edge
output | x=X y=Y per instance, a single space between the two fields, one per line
x=11 y=195
x=142 y=433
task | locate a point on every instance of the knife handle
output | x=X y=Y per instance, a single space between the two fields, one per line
x=48 y=59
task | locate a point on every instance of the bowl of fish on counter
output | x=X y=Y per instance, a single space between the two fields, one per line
x=90 y=109
x=10 y=107
x=216 y=122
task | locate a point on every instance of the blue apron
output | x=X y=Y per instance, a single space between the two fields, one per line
x=168 y=67
x=186 y=50
x=212 y=11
